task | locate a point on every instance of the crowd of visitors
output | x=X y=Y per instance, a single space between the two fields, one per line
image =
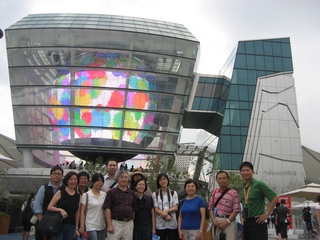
x=120 y=205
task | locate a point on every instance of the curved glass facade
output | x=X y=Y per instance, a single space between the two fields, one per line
x=99 y=83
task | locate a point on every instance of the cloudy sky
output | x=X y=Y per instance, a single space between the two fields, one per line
x=218 y=25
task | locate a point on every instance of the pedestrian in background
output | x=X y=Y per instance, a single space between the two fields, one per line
x=27 y=213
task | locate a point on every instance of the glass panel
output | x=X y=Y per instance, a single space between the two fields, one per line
x=267 y=46
x=240 y=61
x=249 y=47
x=276 y=49
x=258 y=46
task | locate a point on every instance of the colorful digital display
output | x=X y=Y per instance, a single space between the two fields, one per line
x=103 y=99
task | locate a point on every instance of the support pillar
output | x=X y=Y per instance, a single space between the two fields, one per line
x=27 y=158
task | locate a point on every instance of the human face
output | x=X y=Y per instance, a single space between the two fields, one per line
x=141 y=186
x=246 y=173
x=136 y=177
x=123 y=180
x=163 y=182
x=73 y=181
x=98 y=184
x=222 y=180
x=56 y=176
x=191 y=189
x=83 y=181
x=112 y=167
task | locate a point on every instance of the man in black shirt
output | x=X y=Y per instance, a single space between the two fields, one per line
x=282 y=215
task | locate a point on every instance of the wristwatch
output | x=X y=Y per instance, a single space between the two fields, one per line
x=267 y=213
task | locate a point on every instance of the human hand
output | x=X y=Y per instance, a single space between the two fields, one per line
x=223 y=224
x=262 y=218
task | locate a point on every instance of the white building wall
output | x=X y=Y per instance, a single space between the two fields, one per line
x=273 y=142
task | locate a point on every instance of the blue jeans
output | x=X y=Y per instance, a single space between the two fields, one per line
x=66 y=232
x=96 y=235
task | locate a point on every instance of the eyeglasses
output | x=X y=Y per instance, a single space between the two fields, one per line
x=56 y=173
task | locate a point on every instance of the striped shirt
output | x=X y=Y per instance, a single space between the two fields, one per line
x=229 y=203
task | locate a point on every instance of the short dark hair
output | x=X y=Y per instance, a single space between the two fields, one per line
x=160 y=175
x=282 y=201
x=68 y=176
x=221 y=171
x=56 y=168
x=318 y=198
x=111 y=159
x=139 y=180
x=277 y=204
x=96 y=177
x=190 y=181
x=246 y=164
x=83 y=174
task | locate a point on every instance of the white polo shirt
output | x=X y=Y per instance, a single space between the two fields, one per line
x=95 y=212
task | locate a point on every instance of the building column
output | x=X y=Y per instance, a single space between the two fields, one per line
x=27 y=158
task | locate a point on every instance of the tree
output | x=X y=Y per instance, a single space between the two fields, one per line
x=98 y=166
x=155 y=165
x=236 y=181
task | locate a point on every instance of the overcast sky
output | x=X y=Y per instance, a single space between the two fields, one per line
x=218 y=25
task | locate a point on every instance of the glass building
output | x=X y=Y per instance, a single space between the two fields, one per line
x=99 y=85
x=255 y=116
x=115 y=86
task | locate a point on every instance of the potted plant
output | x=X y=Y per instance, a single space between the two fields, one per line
x=4 y=223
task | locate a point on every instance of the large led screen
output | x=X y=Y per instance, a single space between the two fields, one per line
x=103 y=101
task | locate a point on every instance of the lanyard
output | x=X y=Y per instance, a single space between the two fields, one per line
x=246 y=194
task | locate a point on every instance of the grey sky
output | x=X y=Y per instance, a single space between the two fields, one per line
x=218 y=25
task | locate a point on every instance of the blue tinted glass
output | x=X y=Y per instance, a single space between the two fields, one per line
x=225 y=144
x=252 y=77
x=202 y=79
x=261 y=73
x=287 y=64
x=245 y=117
x=234 y=78
x=267 y=46
x=243 y=142
x=278 y=64
x=240 y=61
x=222 y=106
x=251 y=62
x=236 y=161
x=241 y=48
x=242 y=75
x=233 y=94
x=286 y=50
x=269 y=63
x=235 y=130
x=226 y=118
x=243 y=105
x=225 y=161
x=225 y=130
x=243 y=130
x=276 y=49
x=243 y=93
x=260 y=62
x=204 y=104
x=235 y=144
x=235 y=117
x=249 y=47
x=251 y=92
x=258 y=47
x=214 y=104
x=196 y=103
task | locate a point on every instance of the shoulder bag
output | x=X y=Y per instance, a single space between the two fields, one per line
x=50 y=223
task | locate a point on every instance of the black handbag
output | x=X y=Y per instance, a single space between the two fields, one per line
x=50 y=223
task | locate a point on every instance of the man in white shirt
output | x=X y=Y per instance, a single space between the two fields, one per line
x=112 y=168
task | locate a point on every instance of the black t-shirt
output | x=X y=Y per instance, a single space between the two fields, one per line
x=70 y=203
x=143 y=215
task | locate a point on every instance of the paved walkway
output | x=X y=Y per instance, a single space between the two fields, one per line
x=17 y=236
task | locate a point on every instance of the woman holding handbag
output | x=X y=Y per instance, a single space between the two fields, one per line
x=68 y=207
x=91 y=212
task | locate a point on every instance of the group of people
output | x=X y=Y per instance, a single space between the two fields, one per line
x=123 y=207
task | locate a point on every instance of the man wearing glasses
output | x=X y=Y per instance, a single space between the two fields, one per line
x=45 y=194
